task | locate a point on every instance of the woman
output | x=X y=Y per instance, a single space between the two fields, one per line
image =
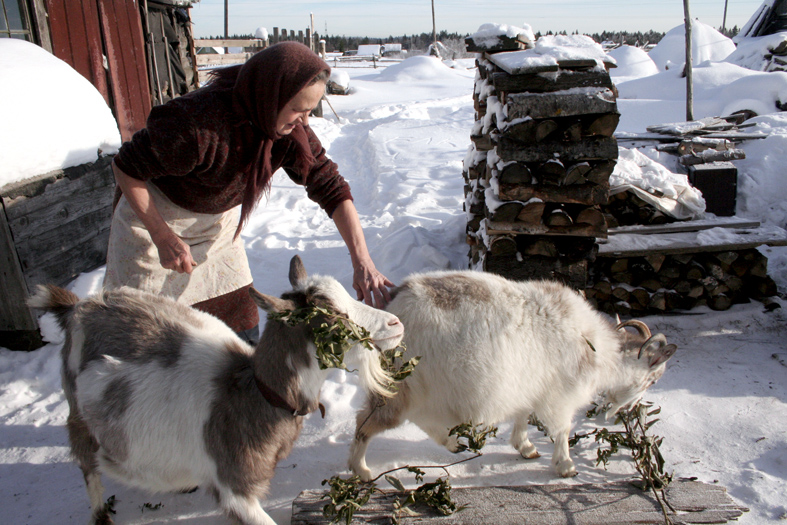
x=192 y=177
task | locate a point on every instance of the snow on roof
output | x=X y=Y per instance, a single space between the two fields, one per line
x=53 y=117
x=369 y=49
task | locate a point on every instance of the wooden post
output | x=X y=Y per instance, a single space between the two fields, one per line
x=275 y=35
x=434 y=28
x=322 y=49
x=309 y=41
x=311 y=32
x=724 y=20
x=300 y=37
x=284 y=34
x=226 y=23
x=688 y=70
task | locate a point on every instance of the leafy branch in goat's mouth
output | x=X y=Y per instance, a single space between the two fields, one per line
x=335 y=336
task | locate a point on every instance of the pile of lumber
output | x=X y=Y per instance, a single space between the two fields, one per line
x=538 y=169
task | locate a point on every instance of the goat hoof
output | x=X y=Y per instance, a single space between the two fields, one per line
x=101 y=518
x=531 y=455
x=452 y=445
x=566 y=469
x=365 y=474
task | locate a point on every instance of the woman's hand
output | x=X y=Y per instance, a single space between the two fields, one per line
x=174 y=254
x=370 y=285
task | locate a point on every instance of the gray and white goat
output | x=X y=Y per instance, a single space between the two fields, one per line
x=494 y=350
x=165 y=398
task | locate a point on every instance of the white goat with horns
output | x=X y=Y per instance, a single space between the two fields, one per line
x=495 y=350
x=166 y=398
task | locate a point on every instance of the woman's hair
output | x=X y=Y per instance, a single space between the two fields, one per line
x=322 y=76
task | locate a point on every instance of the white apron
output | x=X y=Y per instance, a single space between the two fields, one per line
x=133 y=260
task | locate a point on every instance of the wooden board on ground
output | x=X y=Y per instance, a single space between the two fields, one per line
x=712 y=240
x=686 y=226
x=552 y=504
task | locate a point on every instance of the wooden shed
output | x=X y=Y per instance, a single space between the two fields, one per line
x=54 y=226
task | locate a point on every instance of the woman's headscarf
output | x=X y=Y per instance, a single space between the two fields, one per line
x=264 y=85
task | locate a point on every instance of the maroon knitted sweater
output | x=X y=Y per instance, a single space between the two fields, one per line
x=196 y=153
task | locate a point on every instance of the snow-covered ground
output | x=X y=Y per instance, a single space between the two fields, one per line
x=400 y=140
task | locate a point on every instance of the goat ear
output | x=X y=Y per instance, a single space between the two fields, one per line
x=297 y=272
x=270 y=303
x=657 y=351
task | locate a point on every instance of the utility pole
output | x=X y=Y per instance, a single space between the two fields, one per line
x=434 y=27
x=226 y=24
x=724 y=20
x=688 y=70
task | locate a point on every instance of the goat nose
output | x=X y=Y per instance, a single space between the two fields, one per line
x=395 y=321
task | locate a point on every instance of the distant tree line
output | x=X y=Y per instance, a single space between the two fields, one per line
x=455 y=42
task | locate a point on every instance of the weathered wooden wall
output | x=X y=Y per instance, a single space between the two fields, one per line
x=53 y=227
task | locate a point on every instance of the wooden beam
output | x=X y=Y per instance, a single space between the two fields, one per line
x=615 y=503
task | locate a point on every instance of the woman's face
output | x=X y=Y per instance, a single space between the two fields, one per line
x=297 y=110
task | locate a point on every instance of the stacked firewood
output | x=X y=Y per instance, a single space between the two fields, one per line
x=625 y=208
x=658 y=283
x=538 y=168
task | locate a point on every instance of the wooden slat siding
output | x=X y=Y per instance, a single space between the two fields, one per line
x=13 y=291
x=76 y=39
x=125 y=47
x=60 y=227
x=76 y=259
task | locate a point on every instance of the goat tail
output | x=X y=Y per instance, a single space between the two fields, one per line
x=374 y=378
x=51 y=298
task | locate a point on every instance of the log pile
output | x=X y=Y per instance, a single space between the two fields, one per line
x=625 y=208
x=657 y=283
x=538 y=169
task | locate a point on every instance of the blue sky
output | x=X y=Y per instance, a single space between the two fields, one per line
x=381 y=18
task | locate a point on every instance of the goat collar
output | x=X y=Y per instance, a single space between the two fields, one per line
x=275 y=400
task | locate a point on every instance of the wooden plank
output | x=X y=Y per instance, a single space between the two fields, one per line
x=76 y=39
x=536 y=83
x=61 y=202
x=121 y=24
x=217 y=42
x=505 y=43
x=520 y=228
x=686 y=226
x=560 y=104
x=616 y=503
x=588 y=193
x=73 y=260
x=222 y=60
x=725 y=239
x=591 y=149
x=14 y=314
x=40 y=250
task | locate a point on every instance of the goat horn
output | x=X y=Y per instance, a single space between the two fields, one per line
x=658 y=338
x=641 y=327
